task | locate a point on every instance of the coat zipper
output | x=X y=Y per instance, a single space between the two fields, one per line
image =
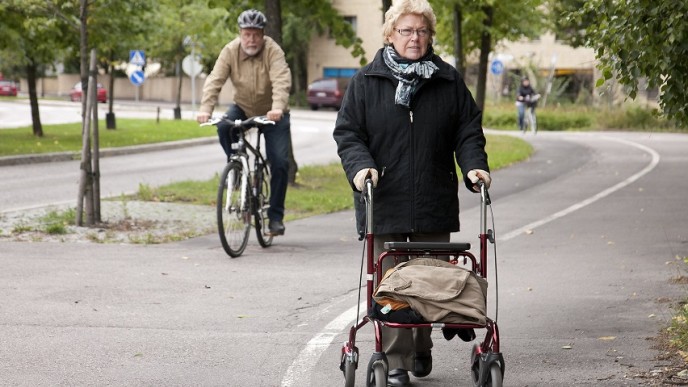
x=413 y=188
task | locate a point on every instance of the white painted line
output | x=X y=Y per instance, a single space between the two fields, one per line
x=653 y=163
x=299 y=373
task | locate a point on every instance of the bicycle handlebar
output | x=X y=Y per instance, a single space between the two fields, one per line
x=258 y=121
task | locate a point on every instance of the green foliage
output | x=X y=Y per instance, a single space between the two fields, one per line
x=512 y=20
x=31 y=34
x=55 y=222
x=570 y=29
x=637 y=39
x=634 y=118
x=551 y=120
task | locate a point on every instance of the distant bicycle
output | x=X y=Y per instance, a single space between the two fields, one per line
x=530 y=119
x=243 y=192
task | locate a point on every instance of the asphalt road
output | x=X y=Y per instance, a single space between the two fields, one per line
x=588 y=235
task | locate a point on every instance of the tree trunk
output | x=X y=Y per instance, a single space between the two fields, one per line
x=110 y=122
x=273 y=12
x=31 y=71
x=386 y=4
x=458 y=40
x=180 y=81
x=273 y=29
x=83 y=52
x=485 y=47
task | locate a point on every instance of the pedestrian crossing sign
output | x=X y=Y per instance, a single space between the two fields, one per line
x=137 y=57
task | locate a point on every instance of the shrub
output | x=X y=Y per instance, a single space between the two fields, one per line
x=555 y=120
x=633 y=118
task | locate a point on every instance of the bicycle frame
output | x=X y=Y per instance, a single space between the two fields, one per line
x=251 y=204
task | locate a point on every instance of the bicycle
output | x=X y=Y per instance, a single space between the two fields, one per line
x=243 y=193
x=530 y=120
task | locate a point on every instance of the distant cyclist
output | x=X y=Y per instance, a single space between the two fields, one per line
x=523 y=98
x=262 y=80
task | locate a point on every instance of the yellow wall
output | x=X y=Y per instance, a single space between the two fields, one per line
x=323 y=51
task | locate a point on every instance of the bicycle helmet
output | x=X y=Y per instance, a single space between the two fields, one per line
x=252 y=18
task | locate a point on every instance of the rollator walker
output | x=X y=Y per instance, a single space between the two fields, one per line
x=486 y=362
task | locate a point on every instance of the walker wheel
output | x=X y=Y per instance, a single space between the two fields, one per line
x=492 y=378
x=377 y=374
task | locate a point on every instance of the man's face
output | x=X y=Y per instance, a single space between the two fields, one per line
x=251 y=40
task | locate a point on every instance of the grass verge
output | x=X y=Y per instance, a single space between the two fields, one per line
x=318 y=189
x=67 y=137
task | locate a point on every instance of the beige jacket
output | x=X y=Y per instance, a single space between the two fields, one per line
x=437 y=290
x=261 y=82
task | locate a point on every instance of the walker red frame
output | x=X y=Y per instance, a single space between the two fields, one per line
x=483 y=356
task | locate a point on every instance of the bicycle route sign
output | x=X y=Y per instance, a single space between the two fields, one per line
x=497 y=67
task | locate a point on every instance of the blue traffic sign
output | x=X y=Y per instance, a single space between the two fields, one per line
x=497 y=67
x=137 y=77
x=137 y=57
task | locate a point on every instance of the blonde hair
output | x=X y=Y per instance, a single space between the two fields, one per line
x=404 y=7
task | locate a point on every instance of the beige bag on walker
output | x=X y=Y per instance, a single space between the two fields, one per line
x=437 y=290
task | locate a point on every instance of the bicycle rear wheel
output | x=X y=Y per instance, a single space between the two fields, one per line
x=233 y=212
x=262 y=203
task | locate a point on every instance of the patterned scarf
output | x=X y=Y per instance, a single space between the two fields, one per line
x=408 y=72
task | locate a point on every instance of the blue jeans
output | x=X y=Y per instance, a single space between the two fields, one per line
x=277 y=138
x=521 y=106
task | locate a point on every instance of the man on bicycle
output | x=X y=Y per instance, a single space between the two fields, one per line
x=523 y=95
x=262 y=80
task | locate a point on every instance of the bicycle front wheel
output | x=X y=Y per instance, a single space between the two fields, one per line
x=233 y=212
x=262 y=203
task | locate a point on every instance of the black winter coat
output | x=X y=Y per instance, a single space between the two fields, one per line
x=412 y=149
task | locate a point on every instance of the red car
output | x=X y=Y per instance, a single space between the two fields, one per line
x=8 y=88
x=75 y=93
x=327 y=92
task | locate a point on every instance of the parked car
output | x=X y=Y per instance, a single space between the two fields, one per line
x=8 y=88
x=327 y=92
x=75 y=93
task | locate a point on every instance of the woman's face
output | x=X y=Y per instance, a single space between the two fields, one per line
x=414 y=46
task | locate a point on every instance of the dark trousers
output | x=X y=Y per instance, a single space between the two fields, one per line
x=401 y=344
x=277 y=138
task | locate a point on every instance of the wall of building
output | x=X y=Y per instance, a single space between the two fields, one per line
x=153 y=89
x=324 y=53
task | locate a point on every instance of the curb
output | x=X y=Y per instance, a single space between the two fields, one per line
x=107 y=152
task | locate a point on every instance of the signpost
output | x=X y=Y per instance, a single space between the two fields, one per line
x=137 y=59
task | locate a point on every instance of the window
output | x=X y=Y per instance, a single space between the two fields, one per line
x=348 y=19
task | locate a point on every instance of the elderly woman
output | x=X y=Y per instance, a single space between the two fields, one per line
x=404 y=119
